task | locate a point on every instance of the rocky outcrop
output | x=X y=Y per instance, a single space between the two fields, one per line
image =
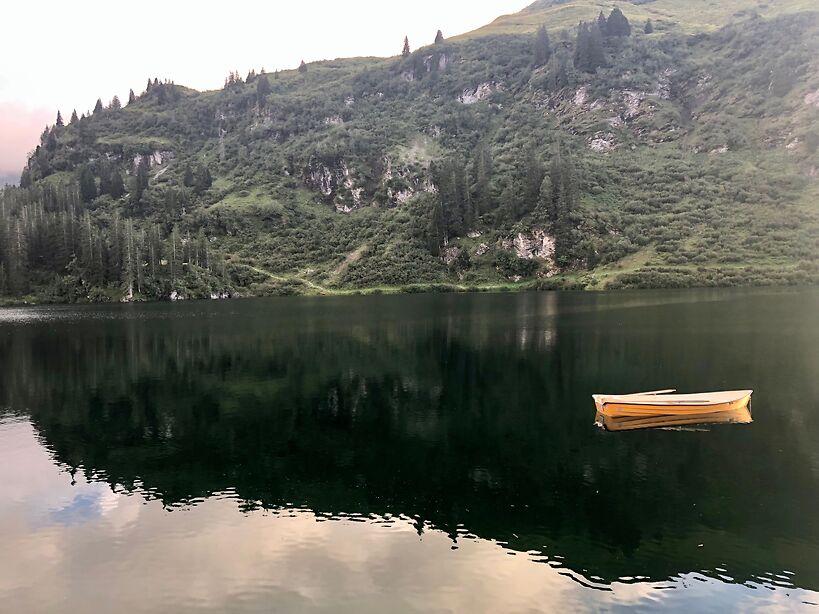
x=334 y=179
x=536 y=243
x=602 y=143
x=401 y=184
x=812 y=99
x=482 y=92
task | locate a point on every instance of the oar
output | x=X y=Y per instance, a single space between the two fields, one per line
x=669 y=391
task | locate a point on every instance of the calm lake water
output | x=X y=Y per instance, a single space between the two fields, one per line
x=409 y=453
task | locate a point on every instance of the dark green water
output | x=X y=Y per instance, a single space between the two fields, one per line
x=410 y=453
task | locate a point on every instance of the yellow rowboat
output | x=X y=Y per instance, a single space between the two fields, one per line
x=663 y=403
x=631 y=423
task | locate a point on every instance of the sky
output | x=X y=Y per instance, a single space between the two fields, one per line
x=57 y=57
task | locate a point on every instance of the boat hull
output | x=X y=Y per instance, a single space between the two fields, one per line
x=667 y=406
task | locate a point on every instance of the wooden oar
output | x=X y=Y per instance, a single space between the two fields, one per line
x=669 y=391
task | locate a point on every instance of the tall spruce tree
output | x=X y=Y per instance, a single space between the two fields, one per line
x=589 y=55
x=543 y=47
x=303 y=67
x=117 y=185
x=617 y=24
x=74 y=117
x=405 y=53
x=115 y=103
x=262 y=89
x=131 y=96
x=439 y=38
x=603 y=24
x=59 y=121
x=88 y=186
x=649 y=27
x=98 y=106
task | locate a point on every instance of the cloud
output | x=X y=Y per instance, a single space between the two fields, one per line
x=20 y=128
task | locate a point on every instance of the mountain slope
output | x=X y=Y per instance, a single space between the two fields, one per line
x=593 y=161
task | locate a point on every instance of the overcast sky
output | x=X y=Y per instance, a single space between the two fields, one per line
x=57 y=55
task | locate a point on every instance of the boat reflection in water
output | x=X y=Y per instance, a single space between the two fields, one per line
x=630 y=423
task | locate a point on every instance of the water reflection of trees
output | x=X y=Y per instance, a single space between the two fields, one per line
x=477 y=421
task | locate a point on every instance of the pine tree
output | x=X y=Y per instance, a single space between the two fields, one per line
x=117 y=185
x=187 y=177
x=262 y=89
x=543 y=47
x=105 y=177
x=303 y=67
x=98 y=106
x=406 y=51
x=617 y=24
x=59 y=121
x=141 y=184
x=88 y=186
x=74 y=118
x=649 y=27
x=435 y=231
x=588 y=48
x=131 y=96
x=203 y=179
x=439 y=38
x=603 y=24
x=115 y=103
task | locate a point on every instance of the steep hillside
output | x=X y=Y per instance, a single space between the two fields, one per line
x=588 y=157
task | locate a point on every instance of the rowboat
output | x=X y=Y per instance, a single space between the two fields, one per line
x=665 y=403
x=679 y=421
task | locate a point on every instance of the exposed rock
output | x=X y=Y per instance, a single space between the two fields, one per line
x=450 y=254
x=720 y=150
x=335 y=181
x=407 y=75
x=215 y=296
x=333 y=120
x=535 y=244
x=482 y=92
x=474 y=234
x=602 y=143
x=615 y=122
x=580 y=96
x=812 y=99
x=482 y=249
x=349 y=101
x=793 y=144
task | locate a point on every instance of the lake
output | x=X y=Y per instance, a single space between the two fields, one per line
x=407 y=453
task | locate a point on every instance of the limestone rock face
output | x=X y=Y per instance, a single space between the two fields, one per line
x=482 y=92
x=536 y=243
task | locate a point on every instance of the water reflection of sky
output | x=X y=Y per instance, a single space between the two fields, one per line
x=84 y=547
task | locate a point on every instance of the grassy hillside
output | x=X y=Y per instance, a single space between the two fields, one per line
x=665 y=159
x=690 y=17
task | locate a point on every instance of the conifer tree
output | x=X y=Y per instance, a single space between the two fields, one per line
x=406 y=51
x=439 y=38
x=59 y=121
x=602 y=23
x=588 y=48
x=187 y=177
x=98 y=106
x=117 y=185
x=115 y=103
x=74 y=117
x=262 y=88
x=543 y=46
x=203 y=179
x=617 y=24
x=649 y=27
x=131 y=96
x=303 y=67
x=88 y=186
